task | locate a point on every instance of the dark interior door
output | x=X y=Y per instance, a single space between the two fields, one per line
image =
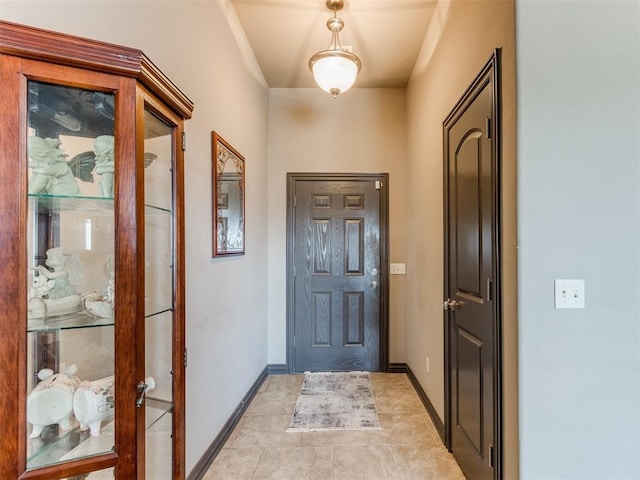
x=470 y=284
x=336 y=275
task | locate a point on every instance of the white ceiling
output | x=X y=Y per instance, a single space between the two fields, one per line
x=385 y=34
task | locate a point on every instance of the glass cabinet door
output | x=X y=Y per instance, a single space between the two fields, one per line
x=160 y=257
x=70 y=404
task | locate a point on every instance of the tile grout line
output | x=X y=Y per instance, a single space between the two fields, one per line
x=255 y=470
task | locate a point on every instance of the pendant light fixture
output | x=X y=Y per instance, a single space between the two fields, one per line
x=335 y=69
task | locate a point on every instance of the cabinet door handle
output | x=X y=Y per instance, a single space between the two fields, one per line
x=143 y=386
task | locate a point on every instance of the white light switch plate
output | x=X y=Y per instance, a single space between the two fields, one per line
x=397 y=269
x=569 y=293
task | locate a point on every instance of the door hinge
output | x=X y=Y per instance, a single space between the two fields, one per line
x=185 y=358
x=487 y=127
x=184 y=141
x=295 y=200
x=491 y=455
x=378 y=184
x=489 y=292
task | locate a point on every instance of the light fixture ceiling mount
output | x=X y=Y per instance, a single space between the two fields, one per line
x=335 y=69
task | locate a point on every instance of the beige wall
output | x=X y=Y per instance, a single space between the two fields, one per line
x=226 y=299
x=362 y=131
x=462 y=37
x=578 y=69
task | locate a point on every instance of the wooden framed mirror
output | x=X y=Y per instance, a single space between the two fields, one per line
x=228 y=198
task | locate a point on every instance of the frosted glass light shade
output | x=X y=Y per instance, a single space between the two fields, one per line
x=335 y=71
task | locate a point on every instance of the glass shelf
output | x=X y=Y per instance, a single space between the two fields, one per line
x=67 y=322
x=72 y=445
x=82 y=320
x=155 y=411
x=63 y=203
x=154 y=210
x=52 y=447
x=154 y=310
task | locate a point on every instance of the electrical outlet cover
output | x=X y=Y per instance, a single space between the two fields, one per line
x=397 y=269
x=569 y=293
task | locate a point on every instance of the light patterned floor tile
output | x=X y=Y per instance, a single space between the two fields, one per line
x=432 y=463
x=289 y=383
x=389 y=381
x=403 y=429
x=266 y=431
x=272 y=402
x=234 y=433
x=407 y=448
x=398 y=401
x=234 y=464
x=336 y=437
x=373 y=462
x=301 y=463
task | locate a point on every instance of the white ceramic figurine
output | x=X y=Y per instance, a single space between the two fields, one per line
x=51 y=401
x=94 y=403
x=55 y=293
x=51 y=172
x=103 y=147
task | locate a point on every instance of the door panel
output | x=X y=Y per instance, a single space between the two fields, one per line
x=469 y=373
x=354 y=319
x=467 y=189
x=354 y=246
x=471 y=270
x=321 y=319
x=336 y=264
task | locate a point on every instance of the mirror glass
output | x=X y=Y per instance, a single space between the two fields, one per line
x=228 y=198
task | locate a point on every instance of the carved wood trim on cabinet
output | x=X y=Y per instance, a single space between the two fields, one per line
x=53 y=47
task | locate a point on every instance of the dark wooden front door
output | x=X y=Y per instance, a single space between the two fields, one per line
x=337 y=270
x=471 y=283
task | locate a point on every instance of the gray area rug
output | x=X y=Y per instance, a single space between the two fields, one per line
x=335 y=401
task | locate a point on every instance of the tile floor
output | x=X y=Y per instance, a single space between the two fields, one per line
x=407 y=448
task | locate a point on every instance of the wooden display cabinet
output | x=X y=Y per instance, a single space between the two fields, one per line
x=92 y=338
